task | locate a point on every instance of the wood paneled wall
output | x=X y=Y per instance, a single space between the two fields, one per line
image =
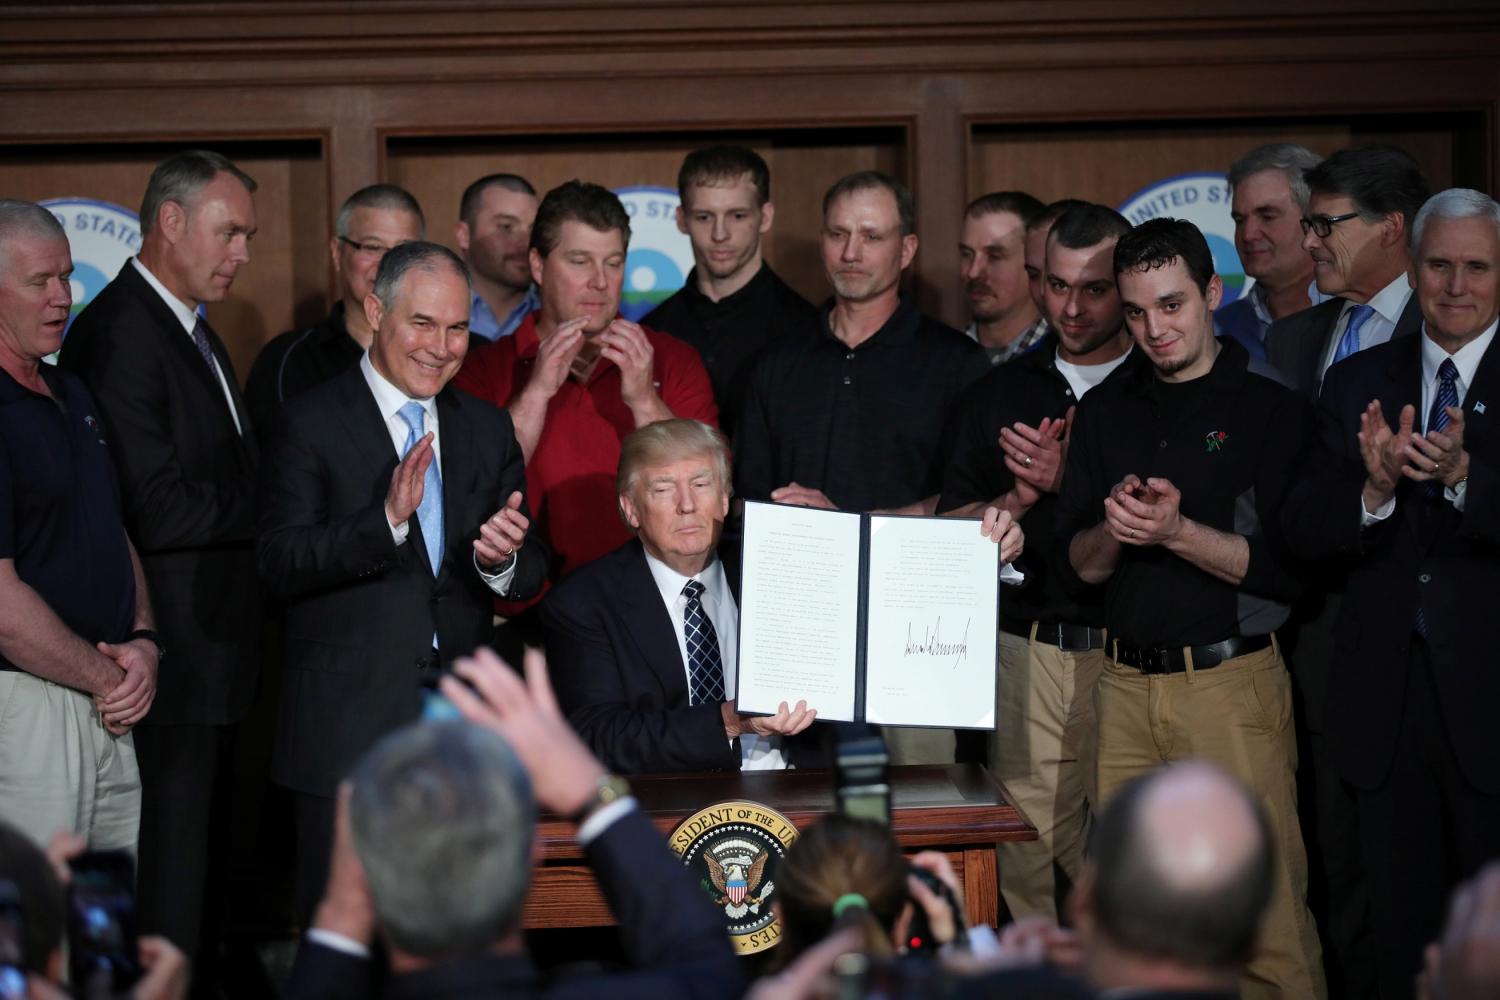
x=1089 y=98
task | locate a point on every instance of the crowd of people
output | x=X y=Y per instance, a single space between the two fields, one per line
x=1240 y=691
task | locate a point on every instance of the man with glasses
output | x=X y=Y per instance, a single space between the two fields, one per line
x=1360 y=207
x=493 y=234
x=371 y=221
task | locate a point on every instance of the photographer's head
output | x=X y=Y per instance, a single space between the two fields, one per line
x=442 y=818
x=841 y=872
x=40 y=895
x=1177 y=888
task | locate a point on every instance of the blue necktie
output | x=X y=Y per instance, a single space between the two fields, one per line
x=1437 y=420
x=705 y=666
x=430 y=510
x=1349 y=342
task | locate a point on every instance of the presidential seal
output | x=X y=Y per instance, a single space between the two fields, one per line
x=660 y=255
x=733 y=850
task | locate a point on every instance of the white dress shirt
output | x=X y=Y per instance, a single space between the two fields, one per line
x=1467 y=362
x=189 y=320
x=1389 y=303
x=757 y=753
x=389 y=400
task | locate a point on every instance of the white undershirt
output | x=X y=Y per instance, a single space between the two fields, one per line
x=1082 y=378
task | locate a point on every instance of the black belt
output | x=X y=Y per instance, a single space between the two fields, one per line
x=1174 y=660
x=1065 y=636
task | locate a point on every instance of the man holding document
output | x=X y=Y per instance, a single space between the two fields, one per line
x=645 y=641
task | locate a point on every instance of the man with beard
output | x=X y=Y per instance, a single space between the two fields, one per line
x=493 y=234
x=733 y=304
x=992 y=262
x=1174 y=485
x=1009 y=451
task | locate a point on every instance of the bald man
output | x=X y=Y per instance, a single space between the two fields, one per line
x=1175 y=895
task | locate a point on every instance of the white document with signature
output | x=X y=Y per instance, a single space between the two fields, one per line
x=868 y=617
x=930 y=642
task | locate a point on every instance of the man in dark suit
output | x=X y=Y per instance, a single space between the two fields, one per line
x=186 y=452
x=435 y=852
x=643 y=640
x=1404 y=480
x=1355 y=227
x=391 y=516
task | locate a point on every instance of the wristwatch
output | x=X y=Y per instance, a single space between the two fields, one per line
x=1458 y=489
x=611 y=788
x=150 y=635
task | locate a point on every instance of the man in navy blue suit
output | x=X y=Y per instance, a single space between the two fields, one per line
x=1404 y=479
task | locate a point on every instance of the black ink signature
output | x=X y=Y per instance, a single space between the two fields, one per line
x=932 y=643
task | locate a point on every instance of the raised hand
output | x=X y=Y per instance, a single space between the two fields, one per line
x=405 y=493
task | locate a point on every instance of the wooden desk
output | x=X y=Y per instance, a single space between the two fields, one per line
x=957 y=809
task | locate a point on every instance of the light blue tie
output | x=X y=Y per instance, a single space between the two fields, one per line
x=1349 y=342
x=430 y=510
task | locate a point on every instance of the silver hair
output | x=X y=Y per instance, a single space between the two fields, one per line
x=1454 y=203
x=27 y=219
x=1288 y=157
x=442 y=817
x=179 y=179
x=388 y=197
x=670 y=441
x=416 y=256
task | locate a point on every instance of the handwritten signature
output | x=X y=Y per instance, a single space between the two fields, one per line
x=932 y=643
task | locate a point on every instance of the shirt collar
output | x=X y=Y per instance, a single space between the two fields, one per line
x=180 y=309
x=1466 y=360
x=900 y=328
x=758 y=282
x=1257 y=299
x=390 y=399
x=670 y=582
x=1390 y=301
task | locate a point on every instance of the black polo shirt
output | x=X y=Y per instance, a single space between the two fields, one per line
x=60 y=513
x=865 y=425
x=1230 y=442
x=729 y=334
x=295 y=361
x=1027 y=389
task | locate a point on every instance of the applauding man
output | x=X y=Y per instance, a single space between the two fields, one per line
x=577 y=377
x=391 y=516
x=1175 y=477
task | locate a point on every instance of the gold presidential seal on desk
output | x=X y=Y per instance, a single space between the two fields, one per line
x=733 y=850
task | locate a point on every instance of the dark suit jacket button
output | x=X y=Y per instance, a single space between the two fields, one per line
x=1425 y=578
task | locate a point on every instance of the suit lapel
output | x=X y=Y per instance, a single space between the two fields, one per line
x=457 y=474
x=366 y=429
x=180 y=343
x=1323 y=319
x=1410 y=320
x=651 y=626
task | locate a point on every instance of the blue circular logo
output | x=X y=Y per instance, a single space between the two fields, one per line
x=660 y=254
x=1203 y=200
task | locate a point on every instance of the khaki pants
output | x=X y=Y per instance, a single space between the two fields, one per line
x=61 y=769
x=1042 y=753
x=1239 y=716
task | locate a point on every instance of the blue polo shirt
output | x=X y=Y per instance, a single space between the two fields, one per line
x=60 y=512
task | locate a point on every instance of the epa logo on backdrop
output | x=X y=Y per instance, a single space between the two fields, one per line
x=101 y=237
x=1203 y=200
x=660 y=255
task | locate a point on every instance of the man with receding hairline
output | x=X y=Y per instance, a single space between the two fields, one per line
x=391 y=516
x=186 y=448
x=371 y=221
x=77 y=664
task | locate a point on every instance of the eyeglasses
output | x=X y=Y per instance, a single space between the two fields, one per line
x=1323 y=224
x=367 y=249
